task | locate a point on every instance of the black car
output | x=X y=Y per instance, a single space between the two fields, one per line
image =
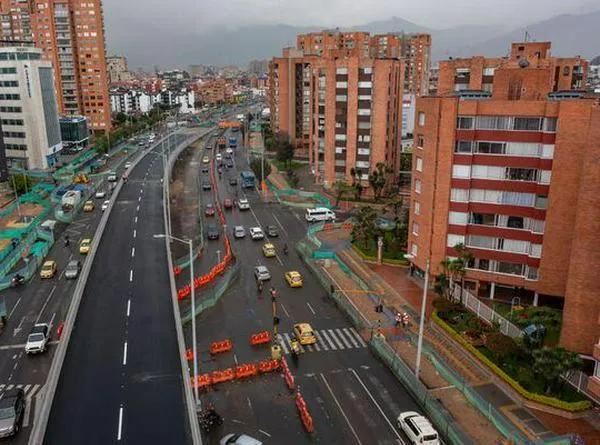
x=206 y=185
x=272 y=231
x=232 y=181
x=212 y=232
x=204 y=169
x=12 y=408
x=229 y=163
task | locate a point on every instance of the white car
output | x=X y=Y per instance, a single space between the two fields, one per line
x=229 y=150
x=261 y=273
x=219 y=157
x=105 y=205
x=243 y=204
x=37 y=339
x=239 y=232
x=239 y=439
x=256 y=233
x=418 y=428
x=100 y=194
x=127 y=165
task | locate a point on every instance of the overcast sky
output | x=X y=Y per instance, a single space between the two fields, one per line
x=432 y=13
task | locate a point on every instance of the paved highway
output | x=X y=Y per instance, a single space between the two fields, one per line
x=121 y=379
x=352 y=397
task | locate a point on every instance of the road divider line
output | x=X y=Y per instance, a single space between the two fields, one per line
x=137 y=209
x=134 y=233
x=284 y=310
x=125 y=354
x=132 y=252
x=377 y=405
x=128 y=307
x=45 y=304
x=341 y=409
x=14 y=307
x=311 y=309
x=140 y=199
x=135 y=220
x=281 y=225
x=130 y=275
x=120 y=426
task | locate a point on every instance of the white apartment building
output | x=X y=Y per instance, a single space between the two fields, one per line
x=124 y=100
x=28 y=108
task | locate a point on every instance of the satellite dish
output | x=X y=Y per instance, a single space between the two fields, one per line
x=523 y=63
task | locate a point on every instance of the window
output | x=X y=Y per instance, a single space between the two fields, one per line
x=461 y=171
x=341 y=84
x=12 y=121
x=537 y=225
x=550 y=124
x=536 y=251
x=515 y=246
x=417 y=208
x=490 y=147
x=10 y=97
x=492 y=122
x=489 y=71
x=365 y=84
x=453 y=240
x=458 y=218
x=519 y=199
x=340 y=137
x=415 y=229
x=417 y=186
x=515 y=222
x=11 y=110
x=484 y=219
x=459 y=195
x=541 y=202
x=521 y=174
x=341 y=71
x=14 y=134
x=420 y=140
x=488 y=172
x=545 y=176
x=510 y=268
x=527 y=123
x=421 y=118
x=482 y=242
x=414 y=249
x=341 y=98
x=9 y=70
x=419 y=165
x=548 y=151
x=522 y=149
x=465 y=122
x=463 y=147
x=364 y=111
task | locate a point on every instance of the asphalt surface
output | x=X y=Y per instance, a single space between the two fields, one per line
x=352 y=397
x=121 y=379
x=41 y=301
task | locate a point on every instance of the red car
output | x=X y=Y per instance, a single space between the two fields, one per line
x=209 y=210
x=227 y=203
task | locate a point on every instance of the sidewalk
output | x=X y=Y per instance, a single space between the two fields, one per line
x=398 y=293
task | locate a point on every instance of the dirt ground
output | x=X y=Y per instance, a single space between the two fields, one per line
x=28 y=209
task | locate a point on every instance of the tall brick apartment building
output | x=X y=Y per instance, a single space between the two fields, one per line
x=510 y=167
x=71 y=35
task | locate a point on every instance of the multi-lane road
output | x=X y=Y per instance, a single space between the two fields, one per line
x=352 y=397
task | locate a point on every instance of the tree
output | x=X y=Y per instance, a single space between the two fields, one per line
x=341 y=189
x=364 y=227
x=551 y=363
x=462 y=262
x=378 y=179
x=400 y=218
x=20 y=183
x=284 y=151
x=256 y=167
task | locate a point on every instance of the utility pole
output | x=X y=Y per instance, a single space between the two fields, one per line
x=422 y=321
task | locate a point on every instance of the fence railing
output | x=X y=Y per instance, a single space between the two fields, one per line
x=485 y=312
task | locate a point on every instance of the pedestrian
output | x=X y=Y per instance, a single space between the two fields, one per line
x=404 y=320
x=398 y=319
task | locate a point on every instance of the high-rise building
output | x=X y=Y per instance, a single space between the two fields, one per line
x=117 y=70
x=509 y=168
x=28 y=108
x=258 y=67
x=355 y=121
x=71 y=35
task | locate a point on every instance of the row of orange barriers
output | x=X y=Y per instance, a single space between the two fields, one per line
x=221 y=346
x=260 y=338
x=347 y=226
x=304 y=414
x=240 y=372
x=287 y=375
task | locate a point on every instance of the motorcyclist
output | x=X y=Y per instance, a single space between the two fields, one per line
x=260 y=285
x=67 y=241
x=285 y=249
x=295 y=347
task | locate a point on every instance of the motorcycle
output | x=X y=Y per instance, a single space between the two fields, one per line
x=295 y=349
x=285 y=249
x=209 y=420
x=260 y=286
x=18 y=280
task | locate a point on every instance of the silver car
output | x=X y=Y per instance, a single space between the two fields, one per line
x=12 y=409
x=261 y=273
x=239 y=439
x=73 y=269
x=239 y=232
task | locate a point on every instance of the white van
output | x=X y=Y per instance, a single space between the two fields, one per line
x=418 y=428
x=319 y=214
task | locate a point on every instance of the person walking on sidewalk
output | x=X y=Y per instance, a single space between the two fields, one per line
x=398 y=319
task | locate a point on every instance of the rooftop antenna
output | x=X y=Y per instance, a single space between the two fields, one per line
x=527 y=36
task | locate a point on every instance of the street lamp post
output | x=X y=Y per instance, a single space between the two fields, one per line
x=422 y=321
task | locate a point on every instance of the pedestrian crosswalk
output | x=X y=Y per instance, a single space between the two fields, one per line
x=327 y=340
x=31 y=391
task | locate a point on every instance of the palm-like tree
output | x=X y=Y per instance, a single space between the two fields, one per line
x=551 y=363
x=364 y=226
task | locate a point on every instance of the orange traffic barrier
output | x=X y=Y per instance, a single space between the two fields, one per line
x=202 y=381
x=222 y=376
x=243 y=371
x=177 y=271
x=347 y=226
x=189 y=354
x=260 y=338
x=287 y=375
x=221 y=346
x=328 y=226
x=265 y=366
x=304 y=414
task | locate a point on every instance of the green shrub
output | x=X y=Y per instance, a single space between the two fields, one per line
x=501 y=345
x=444 y=305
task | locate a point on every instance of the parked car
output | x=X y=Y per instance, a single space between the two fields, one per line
x=212 y=231
x=37 y=340
x=12 y=409
x=239 y=232
x=72 y=270
x=261 y=273
x=256 y=233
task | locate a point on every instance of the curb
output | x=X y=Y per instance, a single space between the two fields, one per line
x=39 y=428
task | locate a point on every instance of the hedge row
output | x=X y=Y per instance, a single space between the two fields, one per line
x=539 y=398
x=364 y=256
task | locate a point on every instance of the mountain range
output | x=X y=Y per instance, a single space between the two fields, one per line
x=570 y=34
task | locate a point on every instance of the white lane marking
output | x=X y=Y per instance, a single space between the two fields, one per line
x=141 y=191
x=326 y=337
x=140 y=199
x=310 y=307
x=377 y=405
x=52 y=319
x=297 y=217
x=130 y=275
x=61 y=274
x=337 y=341
x=358 y=337
x=351 y=337
x=281 y=225
x=128 y=307
x=320 y=340
x=340 y=333
x=284 y=310
x=137 y=209
x=132 y=252
x=134 y=233
x=282 y=343
x=235 y=359
x=135 y=220
x=264 y=432
x=120 y=426
x=125 y=354
x=14 y=307
x=45 y=304
x=340 y=408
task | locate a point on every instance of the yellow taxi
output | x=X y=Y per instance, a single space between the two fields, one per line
x=85 y=245
x=206 y=160
x=89 y=206
x=293 y=278
x=48 y=269
x=268 y=250
x=304 y=334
